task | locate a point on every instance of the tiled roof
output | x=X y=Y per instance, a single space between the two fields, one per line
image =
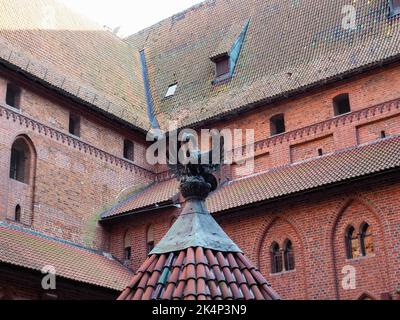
x=198 y=274
x=341 y=166
x=30 y=250
x=51 y=42
x=289 y=45
x=153 y=194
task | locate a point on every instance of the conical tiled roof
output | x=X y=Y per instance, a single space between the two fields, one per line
x=198 y=274
x=196 y=260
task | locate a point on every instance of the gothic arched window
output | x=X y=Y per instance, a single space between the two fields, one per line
x=366 y=240
x=20 y=161
x=289 y=256
x=352 y=243
x=276 y=258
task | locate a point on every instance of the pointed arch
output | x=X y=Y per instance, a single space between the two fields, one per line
x=366 y=296
x=288 y=255
x=276 y=258
x=22 y=159
x=260 y=240
x=353 y=213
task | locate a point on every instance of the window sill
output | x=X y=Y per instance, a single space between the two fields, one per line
x=278 y=134
x=20 y=182
x=361 y=258
x=128 y=160
x=283 y=273
x=17 y=110
x=341 y=115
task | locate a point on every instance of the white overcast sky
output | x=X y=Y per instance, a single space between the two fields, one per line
x=130 y=15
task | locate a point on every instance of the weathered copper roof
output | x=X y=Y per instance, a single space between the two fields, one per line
x=338 y=167
x=198 y=274
x=28 y=249
x=195 y=227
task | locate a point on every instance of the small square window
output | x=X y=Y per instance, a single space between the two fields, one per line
x=74 y=125
x=13 y=96
x=222 y=67
x=277 y=124
x=171 y=90
x=341 y=104
x=129 y=150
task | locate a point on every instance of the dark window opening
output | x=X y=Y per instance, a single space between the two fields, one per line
x=13 y=96
x=367 y=244
x=128 y=150
x=341 y=104
x=394 y=7
x=150 y=239
x=75 y=125
x=19 y=167
x=127 y=248
x=383 y=134
x=352 y=243
x=277 y=124
x=320 y=152
x=17 y=216
x=127 y=253
x=276 y=259
x=289 y=256
x=150 y=246
x=222 y=68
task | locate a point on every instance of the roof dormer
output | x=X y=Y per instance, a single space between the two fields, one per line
x=227 y=53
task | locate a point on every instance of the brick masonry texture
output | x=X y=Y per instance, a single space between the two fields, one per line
x=74 y=181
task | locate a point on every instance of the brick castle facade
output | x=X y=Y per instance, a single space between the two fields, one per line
x=74 y=179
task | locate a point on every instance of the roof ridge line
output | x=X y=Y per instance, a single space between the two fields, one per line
x=337 y=152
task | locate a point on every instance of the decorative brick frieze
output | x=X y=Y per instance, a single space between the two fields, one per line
x=73 y=142
x=331 y=124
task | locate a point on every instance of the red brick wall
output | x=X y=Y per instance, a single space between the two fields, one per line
x=309 y=150
x=73 y=184
x=315 y=224
x=310 y=121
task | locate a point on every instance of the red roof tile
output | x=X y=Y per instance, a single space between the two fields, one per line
x=48 y=40
x=30 y=250
x=203 y=275
x=341 y=166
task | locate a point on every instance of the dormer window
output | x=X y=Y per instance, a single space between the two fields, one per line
x=171 y=90
x=222 y=67
x=394 y=7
